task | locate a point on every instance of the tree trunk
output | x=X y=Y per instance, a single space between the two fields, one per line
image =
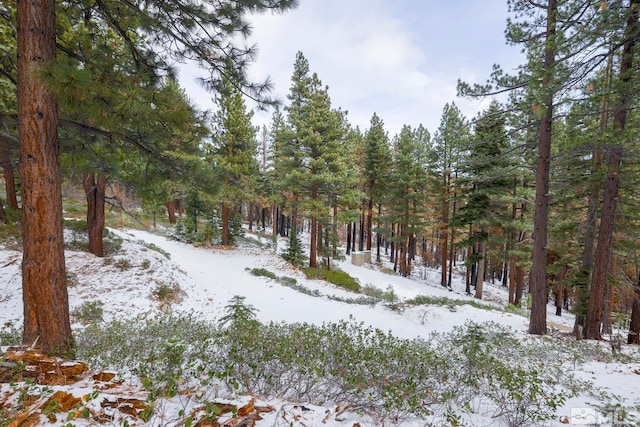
x=348 y=239
x=3 y=217
x=634 y=326
x=94 y=193
x=313 y=261
x=171 y=211
x=482 y=250
x=44 y=280
x=362 y=226
x=226 y=213
x=369 y=223
x=9 y=176
x=378 y=236
x=538 y=319
x=444 y=237
x=274 y=222
x=452 y=253
x=584 y=275
x=610 y=196
x=353 y=238
x=603 y=248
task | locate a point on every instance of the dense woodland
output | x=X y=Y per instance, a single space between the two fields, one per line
x=538 y=191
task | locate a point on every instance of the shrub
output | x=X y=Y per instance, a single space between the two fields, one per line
x=123 y=264
x=479 y=370
x=263 y=272
x=337 y=277
x=88 y=312
x=10 y=336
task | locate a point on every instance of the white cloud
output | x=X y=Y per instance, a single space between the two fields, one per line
x=401 y=60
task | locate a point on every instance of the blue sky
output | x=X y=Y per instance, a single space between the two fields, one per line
x=398 y=58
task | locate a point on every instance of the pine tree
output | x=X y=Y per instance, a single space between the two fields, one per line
x=407 y=191
x=44 y=282
x=450 y=140
x=377 y=164
x=234 y=153
x=201 y=31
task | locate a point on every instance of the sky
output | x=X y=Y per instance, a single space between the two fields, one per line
x=398 y=58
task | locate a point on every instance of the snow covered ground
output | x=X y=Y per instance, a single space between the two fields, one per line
x=203 y=280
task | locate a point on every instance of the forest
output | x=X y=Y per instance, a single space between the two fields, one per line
x=537 y=192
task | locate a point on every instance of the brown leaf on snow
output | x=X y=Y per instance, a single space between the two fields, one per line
x=246 y=409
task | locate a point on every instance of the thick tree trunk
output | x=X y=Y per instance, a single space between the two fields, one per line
x=605 y=235
x=603 y=248
x=171 y=211
x=94 y=193
x=44 y=281
x=538 y=318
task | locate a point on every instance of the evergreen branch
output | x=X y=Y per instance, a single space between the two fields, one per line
x=137 y=142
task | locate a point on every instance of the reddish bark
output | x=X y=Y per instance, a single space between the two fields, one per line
x=226 y=214
x=9 y=176
x=94 y=192
x=171 y=211
x=538 y=318
x=603 y=252
x=44 y=282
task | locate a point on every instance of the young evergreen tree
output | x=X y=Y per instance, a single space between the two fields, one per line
x=234 y=153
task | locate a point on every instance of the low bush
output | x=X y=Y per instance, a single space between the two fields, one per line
x=89 y=312
x=477 y=370
x=263 y=272
x=337 y=277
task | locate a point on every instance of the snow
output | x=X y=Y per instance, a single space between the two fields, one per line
x=127 y=285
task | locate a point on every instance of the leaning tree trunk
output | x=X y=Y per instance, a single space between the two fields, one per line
x=44 y=281
x=610 y=197
x=538 y=318
x=94 y=192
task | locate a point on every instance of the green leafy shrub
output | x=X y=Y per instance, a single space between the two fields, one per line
x=155 y=248
x=89 y=312
x=263 y=272
x=477 y=370
x=337 y=277
x=10 y=335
